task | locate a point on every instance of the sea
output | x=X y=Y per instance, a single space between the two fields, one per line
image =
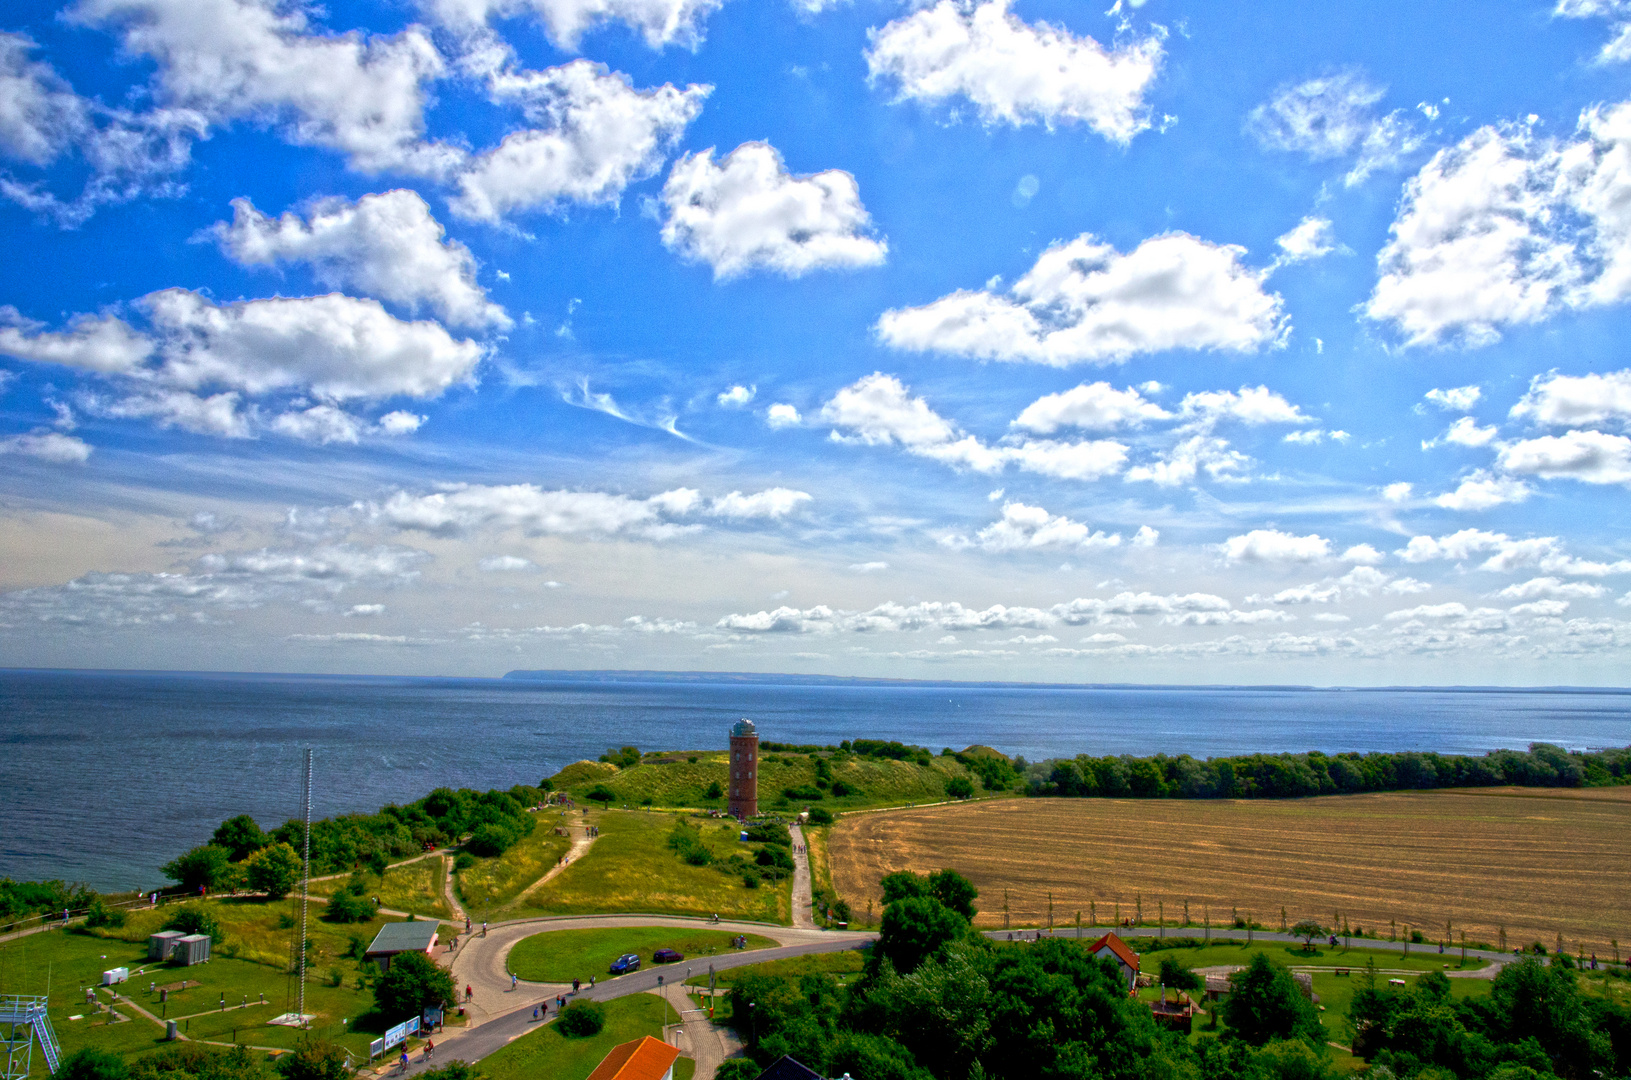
x=104 y=776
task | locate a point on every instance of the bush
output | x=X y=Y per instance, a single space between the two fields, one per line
x=714 y=791
x=602 y=794
x=627 y=756
x=89 y=1064
x=960 y=788
x=581 y=1019
x=491 y=839
x=101 y=915
x=761 y=833
x=314 y=1059
x=803 y=794
x=840 y=789
x=687 y=843
x=345 y=908
x=195 y=919
x=750 y=880
x=737 y=1069
x=820 y=815
x=463 y=861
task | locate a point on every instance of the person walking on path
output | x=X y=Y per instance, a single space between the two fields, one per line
x=574 y=986
x=512 y=980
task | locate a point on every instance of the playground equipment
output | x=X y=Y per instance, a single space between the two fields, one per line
x=22 y=1022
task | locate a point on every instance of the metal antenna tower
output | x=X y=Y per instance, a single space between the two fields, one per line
x=305 y=891
x=24 y=1020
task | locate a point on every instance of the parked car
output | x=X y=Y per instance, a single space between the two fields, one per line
x=624 y=963
x=666 y=956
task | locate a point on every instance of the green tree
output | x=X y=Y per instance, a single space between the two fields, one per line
x=714 y=791
x=199 y=1061
x=874 y=1057
x=1266 y=1003
x=91 y=1064
x=209 y=865
x=738 y=1069
x=315 y=1059
x=601 y=793
x=960 y=788
x=914 y=928
x=240 y=836
x=273 y=870
x=582 y=1018
x=947 y=886
x=1308 y=930
x=1174 y=976
x=413 y=984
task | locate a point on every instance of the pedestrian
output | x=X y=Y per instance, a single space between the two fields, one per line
x=468 y=993
x=484 y=928
x=430 y=1048
x=467 y=924
x=535 y=1012
x=591 y=982
x=512 y=980
x=574 y=986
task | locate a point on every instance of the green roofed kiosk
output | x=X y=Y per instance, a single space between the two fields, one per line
x=397 y=938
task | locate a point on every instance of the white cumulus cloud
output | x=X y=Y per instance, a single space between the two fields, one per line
x=361 y=95
x=783 y=415
x=1456 y=399
x=1577 y=400
x=594 y=134
x=1083 y=300
x=1482 y=491
x=736 y=396
x=1027 y=528
x=1015 y=73
x=1272 y=545
x=386 y=245
x=1335 y=116
x=508 y=564
x=1311 y=239
x=1093 y=406
x=1593 y=457
x=659 y=22
x=747 y=212
x=49 y=446
x=770 y=503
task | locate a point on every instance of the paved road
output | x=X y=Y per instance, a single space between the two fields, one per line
x=803 y=917
x=486 y=1038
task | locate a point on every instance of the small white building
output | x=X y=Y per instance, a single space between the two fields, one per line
x=1125 y=957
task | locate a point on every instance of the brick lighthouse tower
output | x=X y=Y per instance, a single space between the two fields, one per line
x=744 y=801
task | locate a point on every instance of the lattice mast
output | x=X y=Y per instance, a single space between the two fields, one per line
x=305 y=891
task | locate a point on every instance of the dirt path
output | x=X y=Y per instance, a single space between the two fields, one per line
x=697 y=1037
x=803 y=917
x=459 y=914
x=580 y=847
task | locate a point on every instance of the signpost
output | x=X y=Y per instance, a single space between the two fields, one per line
x=394 y=1037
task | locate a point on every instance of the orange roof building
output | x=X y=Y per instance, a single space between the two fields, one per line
x=643 y=1059
x=1125 y=957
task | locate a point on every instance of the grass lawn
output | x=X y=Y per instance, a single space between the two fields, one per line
x=631 y=869
x=673 y=779
x=564 y=955
x=69 y=962
x=492 y=883
x=1293 y=955
x=842 y=965
x=545 y=1052
x=412 y=886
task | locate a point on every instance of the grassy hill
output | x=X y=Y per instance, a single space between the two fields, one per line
x=847 y=781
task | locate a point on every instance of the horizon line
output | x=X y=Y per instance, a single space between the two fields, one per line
x=522 y=675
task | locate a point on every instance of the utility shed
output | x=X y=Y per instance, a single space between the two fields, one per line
x=160 y=944
x=190 y=950
x=1125 y=957
x=397 y=938
x=642 y=1059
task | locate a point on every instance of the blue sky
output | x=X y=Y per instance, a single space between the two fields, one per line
x=1026 y=341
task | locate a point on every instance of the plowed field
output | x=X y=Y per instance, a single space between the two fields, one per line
x=1535 y=862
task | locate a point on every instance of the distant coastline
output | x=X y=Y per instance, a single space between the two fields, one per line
x=762 y=678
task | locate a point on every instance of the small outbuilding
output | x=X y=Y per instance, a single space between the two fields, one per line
x=160 y=944
x=191 y=949
x=1124 y=956
x=642 y=1059
x=397 y=938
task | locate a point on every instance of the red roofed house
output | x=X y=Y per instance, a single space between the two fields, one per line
x=1126 y=958
x=643 y=1059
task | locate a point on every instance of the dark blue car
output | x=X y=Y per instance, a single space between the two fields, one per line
x=625 y=963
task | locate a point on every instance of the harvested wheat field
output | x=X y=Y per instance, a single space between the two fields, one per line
x=1537 y=863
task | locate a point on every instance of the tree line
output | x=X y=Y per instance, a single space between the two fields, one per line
x=1290 y=776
